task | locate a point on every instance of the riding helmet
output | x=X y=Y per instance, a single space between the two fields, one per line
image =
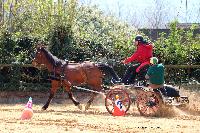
x=154 y=60
x=139 y=38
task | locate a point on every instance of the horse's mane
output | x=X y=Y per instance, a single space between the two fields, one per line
x=53 y=59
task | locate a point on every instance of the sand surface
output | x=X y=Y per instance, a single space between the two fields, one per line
x=62 y=116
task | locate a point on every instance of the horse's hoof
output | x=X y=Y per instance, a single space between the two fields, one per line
x=87 y=106
x=79 y=106
x=44 y=108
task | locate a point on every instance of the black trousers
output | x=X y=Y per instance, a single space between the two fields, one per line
x=130 y=74
x=168 y=91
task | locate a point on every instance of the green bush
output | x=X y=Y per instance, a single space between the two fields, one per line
x=7 y=46
x=82 y=33
x=180 y=47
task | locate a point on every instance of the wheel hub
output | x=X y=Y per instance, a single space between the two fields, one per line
x=151 y=102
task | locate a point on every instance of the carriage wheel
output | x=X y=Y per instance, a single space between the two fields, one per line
x=149 y=103
x=123 y=96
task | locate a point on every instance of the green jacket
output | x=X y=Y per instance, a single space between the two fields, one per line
x=156 y=74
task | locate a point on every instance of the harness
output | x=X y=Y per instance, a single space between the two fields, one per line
x=61 y=76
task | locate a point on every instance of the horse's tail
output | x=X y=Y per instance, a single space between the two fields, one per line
x=108 y=70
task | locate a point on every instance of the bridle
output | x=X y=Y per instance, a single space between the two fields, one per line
x=37 y=64
x=54 y=75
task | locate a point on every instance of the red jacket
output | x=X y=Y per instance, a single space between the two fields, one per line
x=142 y=55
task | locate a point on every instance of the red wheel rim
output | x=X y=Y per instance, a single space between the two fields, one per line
x=148 y=103
x=110 y=99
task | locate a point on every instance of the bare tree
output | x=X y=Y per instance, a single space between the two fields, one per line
x=157 y=16
x=198 y=13
x=119 y=10
x=86 y=2
x=134 y=20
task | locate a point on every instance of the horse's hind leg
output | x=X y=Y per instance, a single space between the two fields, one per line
x=54 y=86
x=76 y=103
x=67 y=86
x=90 y=100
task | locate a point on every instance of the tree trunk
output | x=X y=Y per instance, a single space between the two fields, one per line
x=1 y=12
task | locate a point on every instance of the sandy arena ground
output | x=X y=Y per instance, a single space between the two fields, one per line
x=62 y=116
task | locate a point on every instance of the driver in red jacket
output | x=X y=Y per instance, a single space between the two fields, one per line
x=142 y=55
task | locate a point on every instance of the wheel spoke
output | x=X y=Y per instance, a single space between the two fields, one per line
x=112 y=110
x=110 y=104
x=141 y=101
x=125 y=101
x=144 y=109
x=155 y=108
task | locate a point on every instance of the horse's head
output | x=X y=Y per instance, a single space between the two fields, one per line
x=39 y=58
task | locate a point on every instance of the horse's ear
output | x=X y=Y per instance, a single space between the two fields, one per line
x=40 y=46
x=44 y=46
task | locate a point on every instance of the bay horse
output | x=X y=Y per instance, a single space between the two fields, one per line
x=68 y=74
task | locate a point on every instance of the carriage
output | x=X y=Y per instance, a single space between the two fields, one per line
x=148 y=102
x=68 y=75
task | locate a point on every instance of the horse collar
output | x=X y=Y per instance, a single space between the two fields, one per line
x=60 y=76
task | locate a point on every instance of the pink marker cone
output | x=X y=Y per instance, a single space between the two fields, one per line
x=28 y=111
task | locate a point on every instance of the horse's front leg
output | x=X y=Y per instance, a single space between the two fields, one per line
x=54 y=87
x=67 y=86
